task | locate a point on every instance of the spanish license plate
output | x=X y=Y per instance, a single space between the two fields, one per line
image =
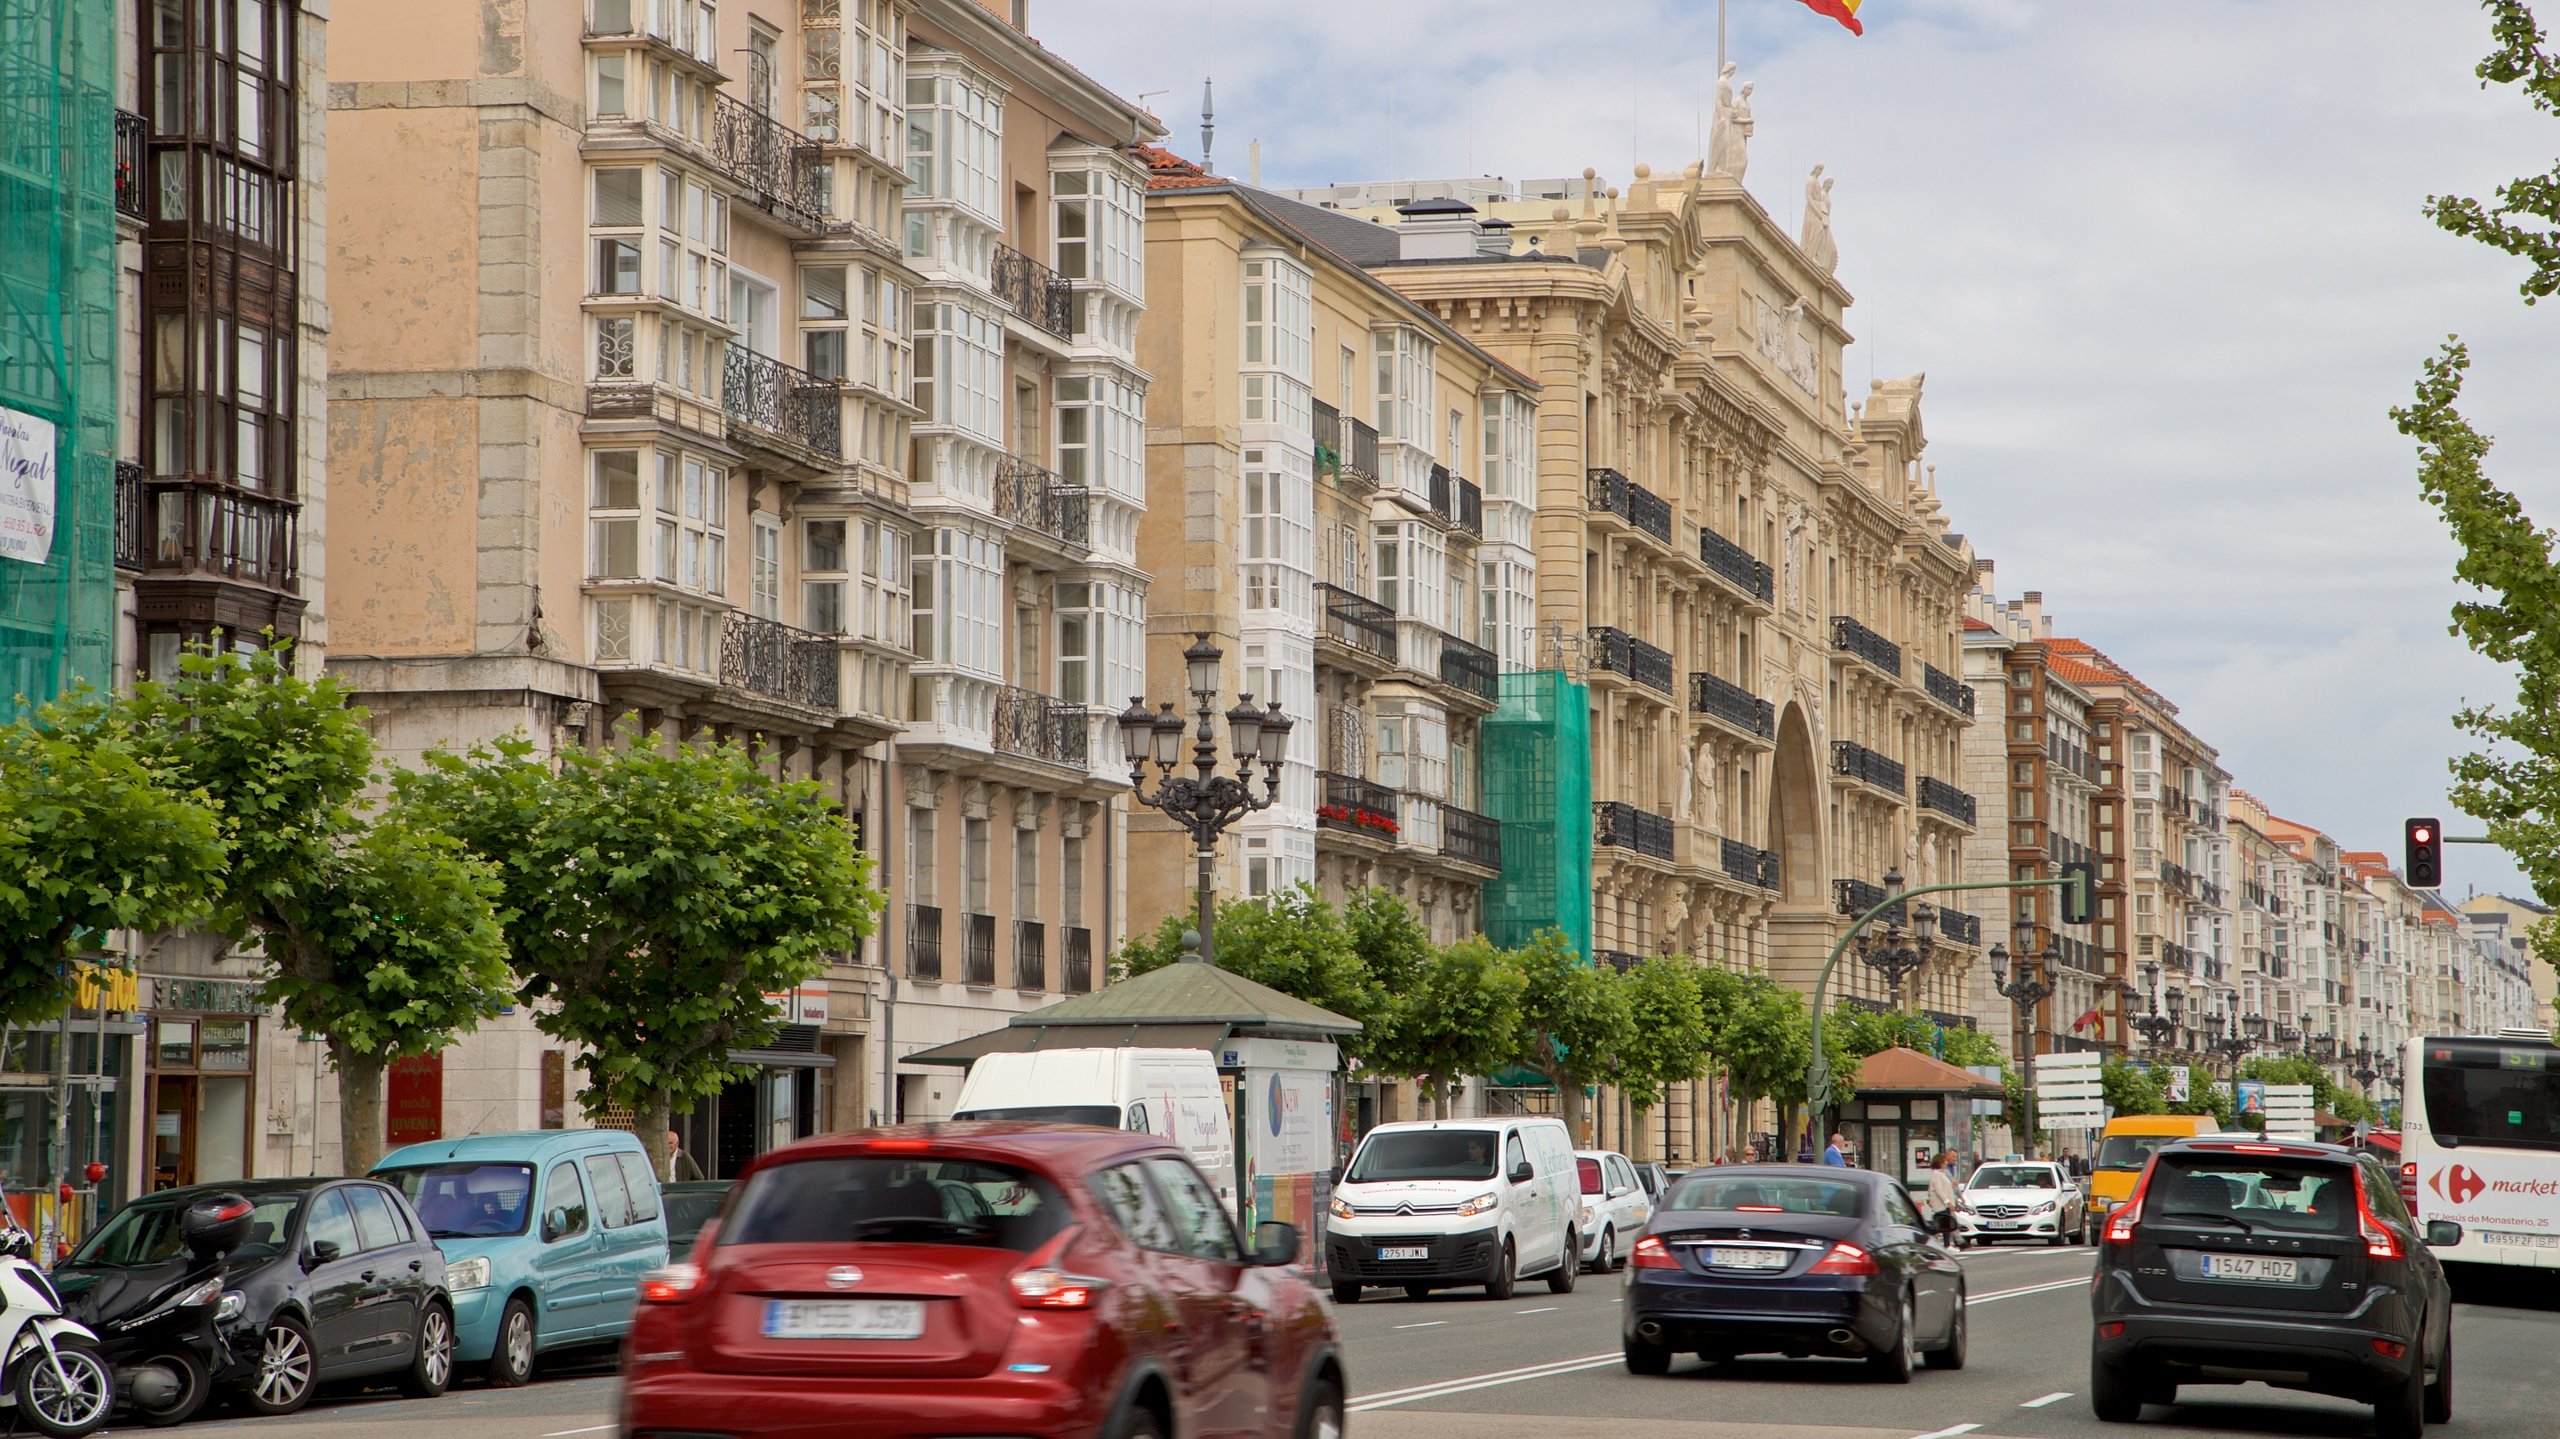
x=2002 y=1224
x=843 y=1318
x=1406 y=1251
x=1746 y=1259
x=2258 y=1268
x=2515 y=1239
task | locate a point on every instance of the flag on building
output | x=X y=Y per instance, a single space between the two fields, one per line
x=2084 y=1021
x=1844 y=11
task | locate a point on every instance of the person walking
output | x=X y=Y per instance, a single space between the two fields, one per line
x=1942 y=1194
x=1834 y=1155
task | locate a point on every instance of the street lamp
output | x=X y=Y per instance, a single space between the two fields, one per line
x=1207 y=804
x=2230 y=1040
x=2033 y=986
x=2157 y=1028
x=2366 y=1067
x=1893 y=958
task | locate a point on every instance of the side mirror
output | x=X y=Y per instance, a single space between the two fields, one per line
x=554 y=1224
x=1275 y=1243
x=1523 y=1172
x=323 y=1251
x=1338 y=1171
x=2443 y=1234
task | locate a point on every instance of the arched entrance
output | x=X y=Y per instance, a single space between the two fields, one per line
x=1795 y=815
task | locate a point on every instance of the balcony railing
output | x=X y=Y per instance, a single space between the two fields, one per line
x=1472 y=668
x=1359 y=447
x=2066 y=850
x=1470 y=515
x=1615 y=494
x=1751 y=866
x=1439 y=491
x=1946 y=689
x=2209 y=892
x=1850 y=758
x=1358 y=806
x=132 y=515
x=924 y=941
x=1618 y=652
x=1470 y=837
x=1854 y=897
x=779 y=168
x=1735 y=566
x=1030 y=954
x=978 y=949
x=1076 y=962
x=130 y=188
x=1854 y=639
x=2178 y=877
x=205 y=527
x=770 y=658
x=1328 y=437
x=1960 y=927
x=1036 y=726
x=1030 y=495
x=1721 y=698
x=1946 y=799
x=1620 y=825
x=1358 y=621
x=785 y=401
x=1036 y=292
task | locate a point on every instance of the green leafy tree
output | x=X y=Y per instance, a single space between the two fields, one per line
x=1293 y=940
x=1869 y=1031
x=1392 y=943
x=1667 y=1007
x=1459 y=1016
x=1965 y=1048
x=1574 y=1021
x=95 y=835
x=654 y=897
x=2129 y=1088
x=1761 y=1035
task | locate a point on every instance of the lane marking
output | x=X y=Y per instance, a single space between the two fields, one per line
x=1426 y=1324
x=2046 y=1288
x=1444 y=1387
x=1947 y=1433
x=2054 y=1398
x=1550 y=1309
x=565 y=1433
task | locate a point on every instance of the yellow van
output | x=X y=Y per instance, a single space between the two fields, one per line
x=2126 y=1146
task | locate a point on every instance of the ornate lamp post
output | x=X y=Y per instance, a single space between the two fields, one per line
x=2033 y=986
x=2231 y=1040
x=2157 y=1028
x=1206 y=802
x=1891 y=956
x=2364 y=1067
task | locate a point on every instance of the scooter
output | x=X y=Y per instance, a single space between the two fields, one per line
x=51 y=1373
x=157 y=1327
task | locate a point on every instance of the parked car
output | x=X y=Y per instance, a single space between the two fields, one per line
x=1655 y=1178
x=2285 y=1262
x=1170 y=1092
x=545 y=1235
x=690 y=1205
x=983 y=1278
x=1433 y=1204
x=2020 y=1199
x=1614 y=1207
x=337 y=1280
x=1761 y=1258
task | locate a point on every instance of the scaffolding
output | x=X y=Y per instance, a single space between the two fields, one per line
x=58 y=335
x=1537 y=783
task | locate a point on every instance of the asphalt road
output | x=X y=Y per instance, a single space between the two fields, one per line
x=1456 y=1366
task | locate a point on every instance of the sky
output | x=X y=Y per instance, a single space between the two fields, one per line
x=2163 y=261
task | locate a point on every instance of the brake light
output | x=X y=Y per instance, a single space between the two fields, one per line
x=1651 y=1253
x=898 y=1146
x=1845 y=1258
x=2390 y=1348
x=2128 y=1214
x=1046 y=1288
x=1759 y=1209
x=671 y=1285
x=2256 y=1149
x=2379 y=1241
x=2409 y=1184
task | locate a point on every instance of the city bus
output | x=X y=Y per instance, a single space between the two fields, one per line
x=2480 y=1143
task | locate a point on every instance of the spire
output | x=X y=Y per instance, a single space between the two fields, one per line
x=1208 y=127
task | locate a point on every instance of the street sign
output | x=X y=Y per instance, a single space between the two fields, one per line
x=2070 y=1092
x=2289 y=1112
x=2174 y=1086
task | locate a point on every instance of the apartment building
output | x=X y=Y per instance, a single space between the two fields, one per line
x=2519 y=918
x=2502 y=967
x=2277 y=967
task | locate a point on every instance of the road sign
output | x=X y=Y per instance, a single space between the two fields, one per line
x=2070 y=1093
x=2289 y=1111
x=2174 y=1086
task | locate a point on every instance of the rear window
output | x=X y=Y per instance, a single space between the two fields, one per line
x=1105 y=1115
x=2484 y=1092
x=896 y=1200
x=2012 y=1176
x=1421 y=1154
x=1771 y=1194
x=2130 y=1151
x=1590 y=1174
x=2262 y=1194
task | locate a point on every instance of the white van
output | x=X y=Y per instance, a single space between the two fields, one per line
x=1172 y=1092
x=1437 y=1204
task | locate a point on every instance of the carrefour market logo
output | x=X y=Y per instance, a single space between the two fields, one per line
x=2457 y=1184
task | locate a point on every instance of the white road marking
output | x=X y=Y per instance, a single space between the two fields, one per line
x=2046 y=1288
x=2054 y=1398
x=565 y=1433
x=1447 y=1387
x=1950 y=1432
x=1549 y=1309
x=1426 y=1324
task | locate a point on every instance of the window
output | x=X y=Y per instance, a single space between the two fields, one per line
x=822 y=576
x=1101 y=433
x=959 y=370
x=882 y=614
x=922 y=847
x=643 y=1186
x=331 y=1222
x=1075 y=645
x=823 y=317
x=1279 y=318
x=617 y=208
x=1413 y=571
x=764 y=565
x=378 y=1223
x=973 y=866
x=959 y=596
x=1509 y=461
x=616 y=339
x=1100 y=227
x=613 y=505
x=1279 y=530
x=691 y=523
x=954 y=130
x=1134 y=1206
x=563 y=1201
x=613 y=1193
x=1026 y=873
x=1405 y=361
x=1199 y=1220
x=612 y=91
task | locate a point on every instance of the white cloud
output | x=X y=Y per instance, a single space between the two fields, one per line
x=2163 y=261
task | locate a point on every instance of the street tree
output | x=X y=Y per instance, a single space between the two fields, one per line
x=1293 y=940
x=1459 y=1016
x=2130 y=1088
x=1574 y=1021
x=1669 y=1043
x=1760 y=1033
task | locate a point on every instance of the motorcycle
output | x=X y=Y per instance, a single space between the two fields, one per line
x=158 y=1328
x=51 y=1372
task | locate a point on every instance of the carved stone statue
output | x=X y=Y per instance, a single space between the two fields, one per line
x=1702 y=779
x=1729 y=149
x=1680 y=794
x=1818 y=244
x=1675 y=919
x=1799 y=519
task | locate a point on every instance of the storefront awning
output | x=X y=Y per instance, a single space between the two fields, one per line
x=1025 y=1038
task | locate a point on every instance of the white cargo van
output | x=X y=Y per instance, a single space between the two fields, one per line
x=1437 y=1204
x=1172 y=1092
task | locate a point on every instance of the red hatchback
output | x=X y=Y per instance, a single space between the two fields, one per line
x=979 y=1279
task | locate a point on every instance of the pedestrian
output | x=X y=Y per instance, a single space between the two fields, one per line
x=680 y=1165
x=1942 y=1194
x=1833 y=1155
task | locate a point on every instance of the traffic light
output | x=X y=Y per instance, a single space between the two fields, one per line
x=2079 y=892
x=2426 y=854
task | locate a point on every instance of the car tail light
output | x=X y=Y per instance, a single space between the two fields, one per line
x=1047 y=1288
x=2409 y=1185
x=1651 y=1253
x=2257 y=1149
x=2379 y=1241
x=2120 y=1224
x=897 y=1145
x=1845 y=1258
x=671 y=1285
x=2112 y=1329
x=2390 y=1348
x=1759 y=1209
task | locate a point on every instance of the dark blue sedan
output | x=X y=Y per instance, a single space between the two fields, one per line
x=1792 y=1259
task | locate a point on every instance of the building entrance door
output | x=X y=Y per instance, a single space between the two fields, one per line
x=173 y=1132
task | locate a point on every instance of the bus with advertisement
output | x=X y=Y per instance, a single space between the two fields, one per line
x=2480 y=1144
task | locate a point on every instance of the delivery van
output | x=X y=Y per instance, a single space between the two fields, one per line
x=1441 y=1204
x=1172 y=1092
x=2123 y=1150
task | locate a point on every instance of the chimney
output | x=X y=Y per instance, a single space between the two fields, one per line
x=1438 y=229
x=1493 y=239
x=1253 y=164
x=2031 y=608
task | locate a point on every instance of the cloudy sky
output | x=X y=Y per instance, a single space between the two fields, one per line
x=2162 y=260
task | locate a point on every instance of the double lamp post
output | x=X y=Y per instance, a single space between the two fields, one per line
x=1205 y=802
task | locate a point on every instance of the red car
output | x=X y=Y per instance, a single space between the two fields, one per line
x=1011 y=1279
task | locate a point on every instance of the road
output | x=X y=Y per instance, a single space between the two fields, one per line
x=1458 y=1367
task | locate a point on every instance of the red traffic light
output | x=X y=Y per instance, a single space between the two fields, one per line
x=2422 y=834
x=2425 y=852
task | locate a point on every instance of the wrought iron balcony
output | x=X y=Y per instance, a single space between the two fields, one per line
x=1856 y=761
x=1946 y=799
x=1030 y=954
x=1720 y=698
x=1357 y=806
x=132 y=515
x=1613 y=493
x=1946 y=689
x=1076 y=962
x=1751 y=866
x=2178 y=877
x=1328 y=437
x=130 y=188
x=206 y=527
x=1439 y=493
x=924 y=941
x=770 y=658
x=1029 y=495
x=1854 y=897
x=978 y=949
x=1735 y=566
x=783 y=401
x=1470 y=838
x=2209 y=892
x=1959 y=927
x=1037 y=726
x=1358 y=621
x=1036 y=292
x=1618 y=652
x=1620 y=825
x=1472 y=668
x=1854 y=639
x=1359 y=448
x=1470 y=515
x=2066 y=850
x=779 y=168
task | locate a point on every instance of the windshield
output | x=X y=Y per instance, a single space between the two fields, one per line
x=1423 y=1154
x=2130 y=1151
x=147 y=1233
x=1769 y=1193
x=467 y=1201
x=2480 y=1091
x=1105 y=1115
x=2012 y=1176
x=896 y=1201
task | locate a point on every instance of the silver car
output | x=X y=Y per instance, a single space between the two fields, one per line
x=2020 y=1199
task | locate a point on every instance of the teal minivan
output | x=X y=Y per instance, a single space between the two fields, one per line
x=545 y=1237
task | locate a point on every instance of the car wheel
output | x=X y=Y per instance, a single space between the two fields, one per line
x=2402 y=1414
x=2440 y=1393
x=1952 y=1356
x=1506 y=1274
x=282 y=1383
x=1346 y=1292
x=430 y=1370
x=2112 y=1397
x=1643 y=1358
x=511 y=1363
x=1568 y=1269
x=1893 y=1363
x=1605 y=1260
x=1322 y=1418
x=2058 y=1238
x=1139 y=1424
x=1417 y=1291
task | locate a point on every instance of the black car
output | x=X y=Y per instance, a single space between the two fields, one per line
x=338 y=1280
x=2280 y=1261
x=1794 y=1260
x=690 y=1204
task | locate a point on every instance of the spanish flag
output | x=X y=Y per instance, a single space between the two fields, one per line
x=1844 y=11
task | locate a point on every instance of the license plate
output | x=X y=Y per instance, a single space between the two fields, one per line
x=2252 y=1267
x=2517 y=1240
x=2002 y=1224
x=1746 y=1259
x=843 y=1318
x=1406 y=1251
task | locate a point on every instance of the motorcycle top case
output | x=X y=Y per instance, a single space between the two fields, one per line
x=215 y=1224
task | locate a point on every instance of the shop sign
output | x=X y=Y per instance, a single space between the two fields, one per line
x=201 y=996
x=100 y=987
x=805 y=1005
x=27 y=451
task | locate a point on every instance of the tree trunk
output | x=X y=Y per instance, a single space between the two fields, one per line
x=1569 y=1103
x=651 y=1116
x=359 y=1108
x=1440 y=1099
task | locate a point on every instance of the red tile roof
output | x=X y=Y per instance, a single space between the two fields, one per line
x=1169 y=171
x=1908 y=1071
x=1974 y=625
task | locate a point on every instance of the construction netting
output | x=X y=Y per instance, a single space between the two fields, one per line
x=1537 y=782
x=58 y=174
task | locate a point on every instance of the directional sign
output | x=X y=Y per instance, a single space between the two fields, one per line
x=2069 y=1091
x=2289 y=1112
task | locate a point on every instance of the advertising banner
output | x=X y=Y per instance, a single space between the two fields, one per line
x=26 y=487
x=1285 y=1122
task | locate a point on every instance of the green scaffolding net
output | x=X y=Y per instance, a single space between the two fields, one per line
x=1537 y=782
x=58 y=173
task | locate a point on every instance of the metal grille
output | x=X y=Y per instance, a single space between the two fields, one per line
x=784 y=401
x=781 y=171
x=769 y=658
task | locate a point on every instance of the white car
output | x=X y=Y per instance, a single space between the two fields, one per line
x=2019 y=1199
x=1615 y=1207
